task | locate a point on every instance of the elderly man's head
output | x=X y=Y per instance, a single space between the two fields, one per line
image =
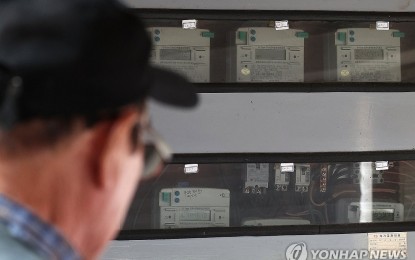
x=74 y=78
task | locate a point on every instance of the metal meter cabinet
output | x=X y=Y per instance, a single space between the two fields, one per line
x=305 y=127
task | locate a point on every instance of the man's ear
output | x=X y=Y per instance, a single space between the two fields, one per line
x=112 y=147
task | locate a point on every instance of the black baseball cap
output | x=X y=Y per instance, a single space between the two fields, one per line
x=63 y=58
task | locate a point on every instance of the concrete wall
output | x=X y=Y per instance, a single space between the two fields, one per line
x=261 y=248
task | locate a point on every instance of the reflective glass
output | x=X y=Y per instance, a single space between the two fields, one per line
x=241 y=51
x=274 y=194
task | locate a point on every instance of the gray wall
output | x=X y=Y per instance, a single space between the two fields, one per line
x=290 y=122
x=337 y=5
x=241 y=248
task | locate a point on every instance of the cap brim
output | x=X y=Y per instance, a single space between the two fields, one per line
x=172 y=89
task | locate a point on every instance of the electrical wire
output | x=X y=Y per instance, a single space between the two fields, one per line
x=410 y=208
x=312 y=199
x=402 y=174
x=408 y=164
x=310 y=212
x=298 y=214
x=335 y=195
x=399 y=183
x=326 y=214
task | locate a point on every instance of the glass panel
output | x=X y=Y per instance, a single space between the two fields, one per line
x=275 y=194
x=221 y=51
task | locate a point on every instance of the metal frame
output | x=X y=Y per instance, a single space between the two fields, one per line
x=265 y=231
x=294 y=157
x=270 y=15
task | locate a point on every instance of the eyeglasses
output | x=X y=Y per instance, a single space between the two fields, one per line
x=157 y=151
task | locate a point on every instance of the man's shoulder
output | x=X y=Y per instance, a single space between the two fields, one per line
x=11 y=248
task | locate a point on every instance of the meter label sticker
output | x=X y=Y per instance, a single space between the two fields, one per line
x=387 y=241
x=287 y=167
x=189 y=24
x=191 y=168
x=382 y=26
x=382 y=165
x=281 y=25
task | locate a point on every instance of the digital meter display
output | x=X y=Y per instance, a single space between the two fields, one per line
x=368 y=54
x=270 y=54
x=175 y=54
x=373 y=212
x=195 y=215
x=381 y=215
